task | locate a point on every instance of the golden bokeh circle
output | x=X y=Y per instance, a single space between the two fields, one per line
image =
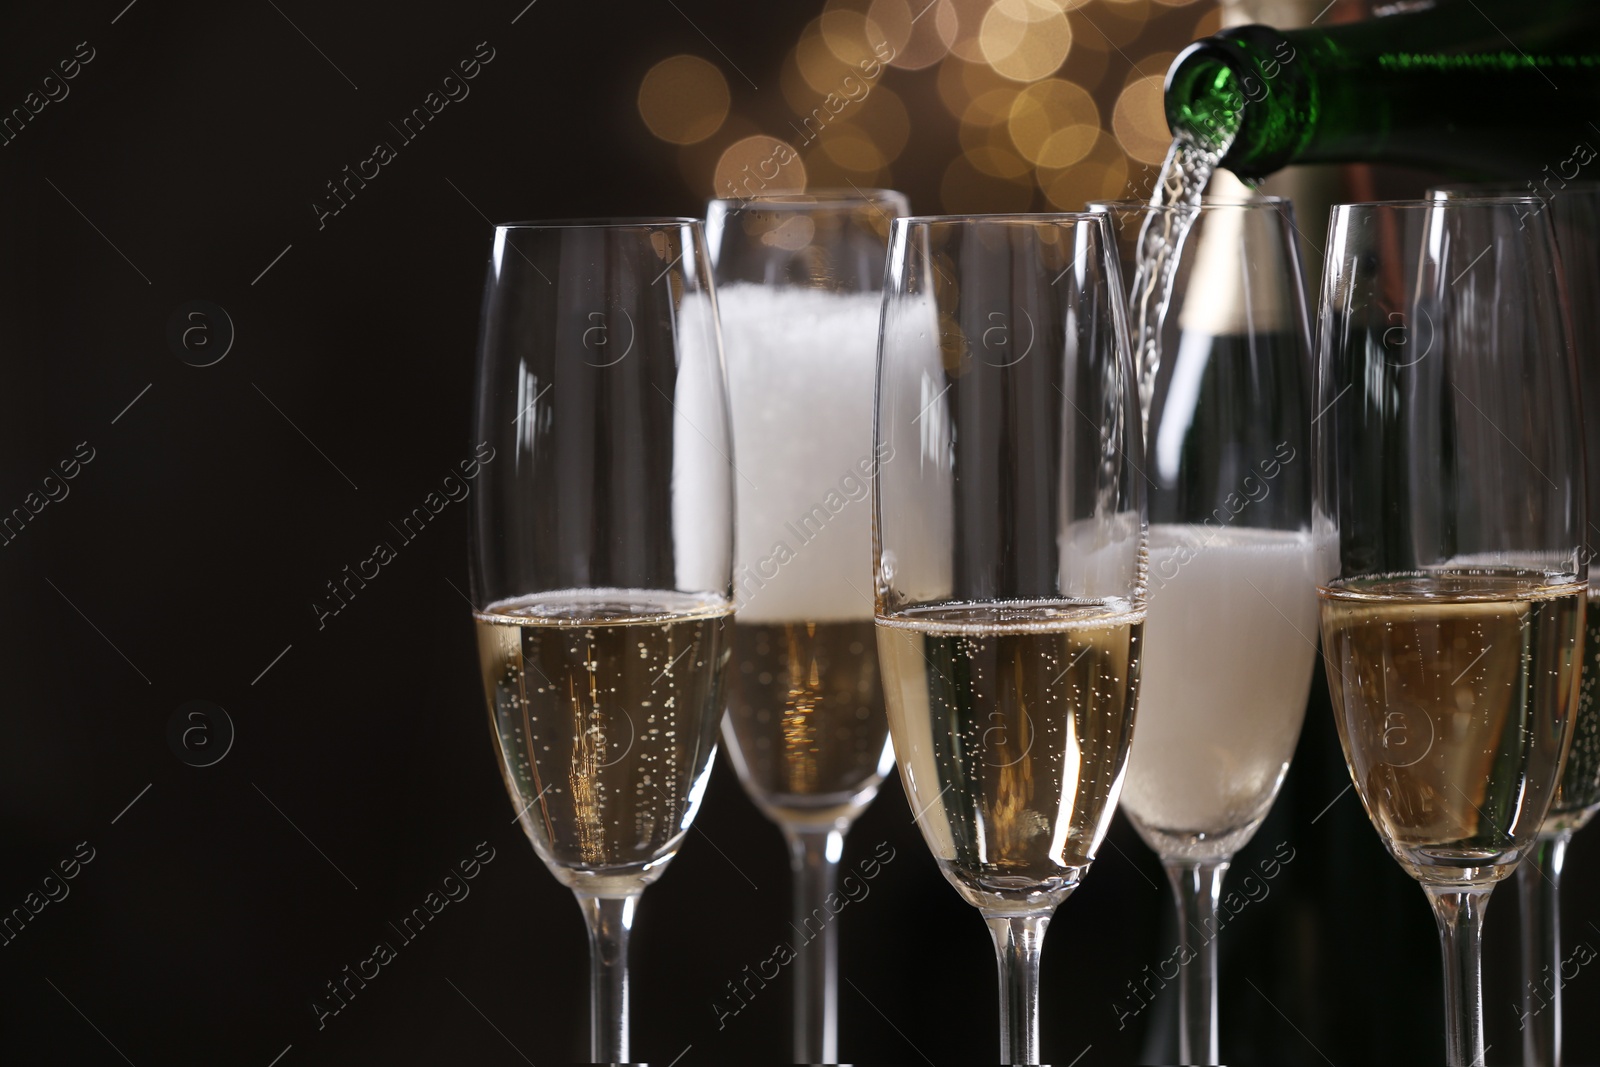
x=992 y=107
x=796 y=91
x=969 y=22
x=1140 y=122
x=852 y=36
x=1153 y=65
x=1068 y=145
x=1053 y=123
x=884 y=118
x=759 y=164
x=960 y=83
x=853 y=148
x=1024 y=40
x=698 y=162
x=1102 y=174
x=821 y=69
x=683 y=99
x=993 y=153
x=920 y=34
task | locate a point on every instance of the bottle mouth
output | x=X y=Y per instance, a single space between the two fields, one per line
x=1241 y=96
x=1204 y=100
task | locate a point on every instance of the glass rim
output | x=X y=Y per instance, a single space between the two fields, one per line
x=1461 y=189
x=828 y=195
x=601 y=222
x=1255 y=203
x=1433 y=204
x=1038 y=218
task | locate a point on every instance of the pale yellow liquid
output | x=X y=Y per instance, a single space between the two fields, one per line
x=1454 y=695
x=1011 y=726
x=806 y=726
x=604 y=705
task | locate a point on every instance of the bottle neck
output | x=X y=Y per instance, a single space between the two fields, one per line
x=1443 y=87
x=1245 y=92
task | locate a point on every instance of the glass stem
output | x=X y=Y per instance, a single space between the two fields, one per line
x=1539 y=894
x=814 y=861
x=610 y=921
x=1197 y=887
x=1459 y=913
x=1018 y=942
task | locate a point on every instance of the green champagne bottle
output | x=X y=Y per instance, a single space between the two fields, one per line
x=1486 y=88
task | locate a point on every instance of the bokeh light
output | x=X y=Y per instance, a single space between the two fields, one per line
x=1102 y=174
x=1155 y=65
x=683 y=99
x=853 y=149
x=759 y=164
x=1139 y=121
x=998 y=158
x=920 y=34
x=1025 y=39
x=851 y=36
x=1053 y=123
x=822 y=69
x=961 y=83
x=969 y=21
x=991 y=107
x=883 y=117
x=977 y=105
x=698 y=162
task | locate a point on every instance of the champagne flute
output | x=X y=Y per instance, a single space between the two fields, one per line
x=798 y=280
x=1574 y=211
x=1009 y=545
x=602 y=551
x=1449 y=475
x=1228 y=440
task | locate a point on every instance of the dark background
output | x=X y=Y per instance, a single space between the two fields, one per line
x=184 y=562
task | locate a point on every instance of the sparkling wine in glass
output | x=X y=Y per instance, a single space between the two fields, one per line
x=798 y=281
x=1230 y=635
x=1449 y=483
x=602 y=551
x=1009 y=546
x=1574 y=213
